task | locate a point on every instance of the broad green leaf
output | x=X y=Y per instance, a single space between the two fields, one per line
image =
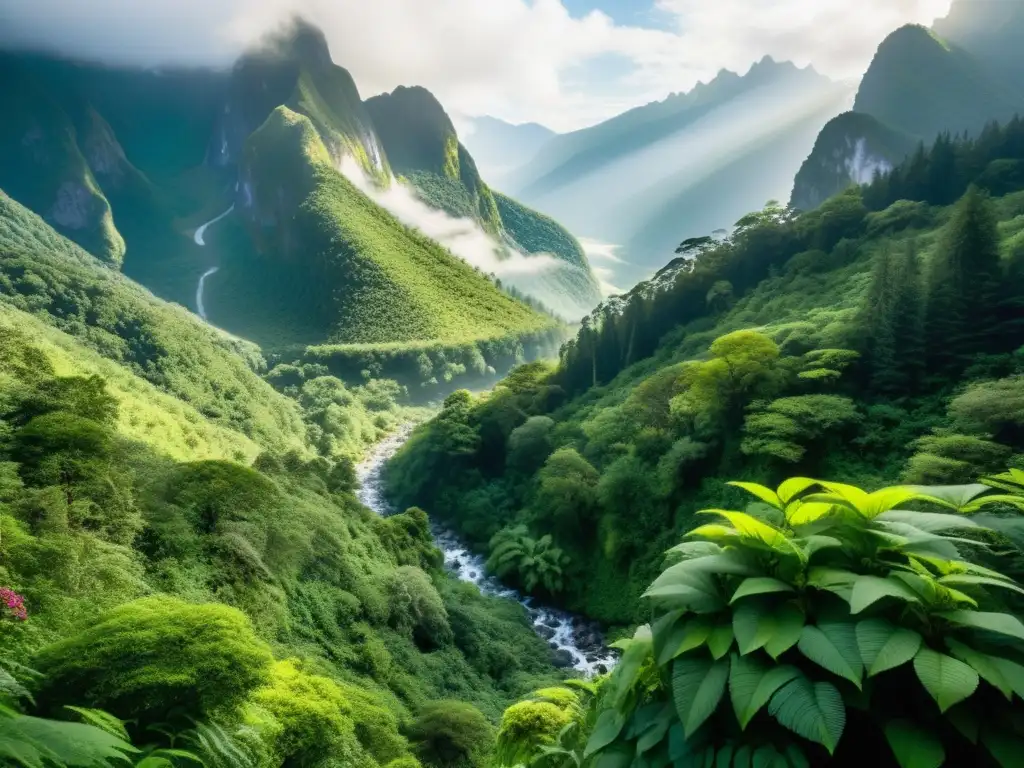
x=796 y=757
x=812 y=710
x=811 y=545
x=689 y=550
x=932 y=522
x=626 y=671
x=806 y=512
x=794 y=486
x=685 y=636
x=617 y=757
x=1013 y=674
x=697 y=686
x=856 y=497
x=968 y=580
x=665 y=630
x=743 y=757
x=884 y=646
x=952 y=496
x=767 y=495
x=996 y=498
x=1000 y=623
x=607 y=729
x=983 y=664
x=834 y=647
x=759 y=585
x=720 y=640
x=867 y=590
x=789 y=623
x=723 y=759
x=914 y=746
x=833 y=580
x=965 y=720
x=715 y=532
x=886 y=499
x=102 y=720
x=768 y=757
x=657 y=731
x=753 y=623
x=948 y=680
x=752 y=683
x=749 y=527
x=154 y=761
x=1006 y=748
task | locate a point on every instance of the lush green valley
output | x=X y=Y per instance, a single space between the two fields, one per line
x=183 y=561
x=133 y=179
x=761 y=510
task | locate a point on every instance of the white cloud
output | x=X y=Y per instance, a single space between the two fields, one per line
x=517 y=59
x=533 y=274
x=837 y=36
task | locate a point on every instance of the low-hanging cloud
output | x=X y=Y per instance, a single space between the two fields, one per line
x=534 y=275
x=460 y=48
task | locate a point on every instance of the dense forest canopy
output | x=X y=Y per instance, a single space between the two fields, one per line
x=876 y=339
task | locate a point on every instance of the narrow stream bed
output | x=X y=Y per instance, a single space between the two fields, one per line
x=575 y=642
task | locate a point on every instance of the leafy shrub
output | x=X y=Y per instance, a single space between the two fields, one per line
x=838 y=624
x=545 y=726
x=533 y=562
x=451 y=734
x=308 y=720
x=407 y=537
x=416 y=607
x=156 y=657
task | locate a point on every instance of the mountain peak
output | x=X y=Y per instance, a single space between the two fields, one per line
x=298 y=40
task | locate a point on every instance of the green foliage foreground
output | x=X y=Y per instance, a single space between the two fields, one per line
x=822 y=625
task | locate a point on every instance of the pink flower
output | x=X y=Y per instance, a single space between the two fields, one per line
x=15 y=604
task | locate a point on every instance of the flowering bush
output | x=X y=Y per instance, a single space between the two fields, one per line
x=14 y=604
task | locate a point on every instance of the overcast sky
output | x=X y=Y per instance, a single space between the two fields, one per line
x=563 y=63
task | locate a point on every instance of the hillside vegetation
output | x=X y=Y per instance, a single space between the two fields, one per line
x=368 y=277
x=875 y=340
x=183 y=563
x=425 y=151
x=867 y=341
x=46 y=275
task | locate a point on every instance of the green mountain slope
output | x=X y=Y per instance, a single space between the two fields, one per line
x=628 y=180
x=50 y=277
x=366 y=277
x=420 y=140
x=206 y=141
x=921 y=85
x=43 y=161
x=294 y=68
x=991 y=30
x=188 y=552
x=851 y=148
x=424 y=148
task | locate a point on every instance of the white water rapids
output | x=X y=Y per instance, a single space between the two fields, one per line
x=575 y=642
x=200 y=240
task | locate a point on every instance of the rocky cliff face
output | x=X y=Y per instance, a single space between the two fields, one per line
x=47 y=161
x=850 y=149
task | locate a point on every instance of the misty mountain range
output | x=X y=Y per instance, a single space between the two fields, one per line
x=128 y=162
